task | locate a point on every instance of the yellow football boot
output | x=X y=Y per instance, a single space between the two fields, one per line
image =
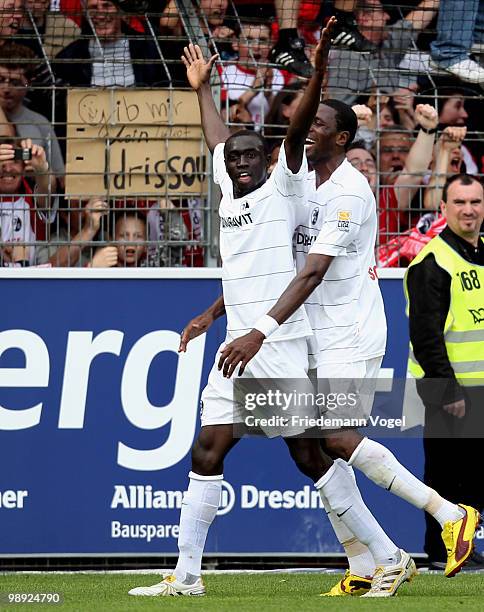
x=458 y=537
x=349 y=585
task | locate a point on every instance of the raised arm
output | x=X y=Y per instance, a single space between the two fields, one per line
x=419 y=156
x=305 y=112
x=450 y=140
x=423 y=14
x=198 y=74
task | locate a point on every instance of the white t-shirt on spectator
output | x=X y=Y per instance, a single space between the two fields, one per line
x=16 y=222
x=256 y=246
x=346 y=310
x=237 y=79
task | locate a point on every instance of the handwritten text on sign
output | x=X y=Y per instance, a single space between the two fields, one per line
x=126 y=142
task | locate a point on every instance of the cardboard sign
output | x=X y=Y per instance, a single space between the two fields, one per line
x=134 y=142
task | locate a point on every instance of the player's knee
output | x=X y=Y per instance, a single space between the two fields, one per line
x=206 y=461
x=308 y=460
x=336 y=447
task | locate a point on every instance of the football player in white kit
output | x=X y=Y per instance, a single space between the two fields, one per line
x=257 y=214
x=338 y=284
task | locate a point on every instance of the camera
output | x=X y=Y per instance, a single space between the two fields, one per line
x=22 y=154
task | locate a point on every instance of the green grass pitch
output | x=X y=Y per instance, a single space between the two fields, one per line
x=242 y=592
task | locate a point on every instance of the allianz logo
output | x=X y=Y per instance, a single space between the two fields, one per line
x=248 y=497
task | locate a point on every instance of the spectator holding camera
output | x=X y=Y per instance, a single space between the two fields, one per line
x=26 y=205
x=16 y=63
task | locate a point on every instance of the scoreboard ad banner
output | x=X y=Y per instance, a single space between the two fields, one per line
x=98 y=413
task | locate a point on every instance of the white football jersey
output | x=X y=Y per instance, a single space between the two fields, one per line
x=256 y=246
x=346 y=311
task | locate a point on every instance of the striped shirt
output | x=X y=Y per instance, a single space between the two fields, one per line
x=346 y=310
x=256 y=246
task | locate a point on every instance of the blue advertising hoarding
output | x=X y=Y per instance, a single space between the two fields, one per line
x=98 y=413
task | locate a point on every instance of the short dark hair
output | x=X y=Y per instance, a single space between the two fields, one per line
x=247 y=133
x=346 y=120
x=358 y=144
x=464 y=179
x=17 y=57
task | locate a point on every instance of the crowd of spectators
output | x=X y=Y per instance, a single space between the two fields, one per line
x=411 y=71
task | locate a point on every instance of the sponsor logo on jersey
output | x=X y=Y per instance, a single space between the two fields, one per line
x=244 y=206
x=477 y=315
x=237 y=221
x=344 y=217
x=304 y=239
x=314 y=216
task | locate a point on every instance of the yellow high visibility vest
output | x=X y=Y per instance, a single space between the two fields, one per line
x=464 y=325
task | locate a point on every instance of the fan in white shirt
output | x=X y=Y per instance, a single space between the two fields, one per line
x=24 y=215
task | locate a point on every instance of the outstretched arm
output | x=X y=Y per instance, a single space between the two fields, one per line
x=199 y=325
x=304 y=115
x=198 y=74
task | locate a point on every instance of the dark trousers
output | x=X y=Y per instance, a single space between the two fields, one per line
x=454 y=462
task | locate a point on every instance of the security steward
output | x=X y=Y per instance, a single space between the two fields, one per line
x=444 y=287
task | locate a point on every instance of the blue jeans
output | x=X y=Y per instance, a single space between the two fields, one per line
x=460 y=23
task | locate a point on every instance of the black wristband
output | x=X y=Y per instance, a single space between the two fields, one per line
x=426 y=131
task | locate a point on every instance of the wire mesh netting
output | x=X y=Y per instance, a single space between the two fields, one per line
x=102 y=152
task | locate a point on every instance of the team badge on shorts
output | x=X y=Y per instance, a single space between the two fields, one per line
x=344 y=217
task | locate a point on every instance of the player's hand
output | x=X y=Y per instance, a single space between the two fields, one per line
x=364 y=114
x=452 y=137
x=106 y=257
x=322 y=50
x=457 y=409
x=426 y=116
x=198 y=69
x=197 y=326
x=93 y=212
x=240 y=351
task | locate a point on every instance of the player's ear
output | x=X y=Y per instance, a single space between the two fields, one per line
x=342 y=138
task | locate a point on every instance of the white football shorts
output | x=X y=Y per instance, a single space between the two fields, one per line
x=355 y=381
x=283 y=360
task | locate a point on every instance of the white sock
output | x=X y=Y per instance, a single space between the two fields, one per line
x=199 y=507
x=339 y=491
x=360 y=559
x=380 y=465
